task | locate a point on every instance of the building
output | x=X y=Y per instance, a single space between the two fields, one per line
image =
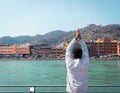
x=6 y=50
x=57 y=53
x=118 y=48
x=41 y=51
x=22 y=49
x=103 y=47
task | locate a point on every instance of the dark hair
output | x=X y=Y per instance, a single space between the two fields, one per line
x=77 y=53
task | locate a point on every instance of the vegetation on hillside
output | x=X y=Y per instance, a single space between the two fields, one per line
x=90 y=32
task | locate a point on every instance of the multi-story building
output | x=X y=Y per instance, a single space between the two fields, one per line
x=7 y=50
x=102 y=47
x=15 y=50
x=57 y=53
x=118 y=48
x=41 y=51
x=105 y=48
x=23 y=49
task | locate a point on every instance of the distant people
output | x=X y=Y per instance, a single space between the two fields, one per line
x=77 y=61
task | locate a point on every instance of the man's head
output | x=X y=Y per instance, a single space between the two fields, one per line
x=77 y=53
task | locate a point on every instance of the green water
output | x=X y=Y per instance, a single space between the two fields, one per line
x=48 y=72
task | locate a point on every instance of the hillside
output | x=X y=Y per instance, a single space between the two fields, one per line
x=89 y=32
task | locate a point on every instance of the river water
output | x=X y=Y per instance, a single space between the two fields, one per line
x=50 y=72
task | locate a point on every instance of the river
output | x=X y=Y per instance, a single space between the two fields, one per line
x=50 y=72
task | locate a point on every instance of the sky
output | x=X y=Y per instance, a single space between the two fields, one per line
x=32 y=17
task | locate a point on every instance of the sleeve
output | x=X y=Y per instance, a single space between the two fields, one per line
x=85 y=54
x=69 y=52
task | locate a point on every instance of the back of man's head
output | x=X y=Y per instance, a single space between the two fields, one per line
x=77 y=52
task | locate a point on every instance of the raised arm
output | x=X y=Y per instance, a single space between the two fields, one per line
x=83 y=45
x=84 y=49
x=69 y=50
x=69 y=53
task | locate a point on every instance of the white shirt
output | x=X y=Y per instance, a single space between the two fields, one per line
x=77 y=69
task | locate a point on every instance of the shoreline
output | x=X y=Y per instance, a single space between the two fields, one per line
x=55 y=58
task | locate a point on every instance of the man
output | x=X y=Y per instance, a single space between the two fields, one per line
x=77 y=61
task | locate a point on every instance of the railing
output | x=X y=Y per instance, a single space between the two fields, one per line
x=32 y=88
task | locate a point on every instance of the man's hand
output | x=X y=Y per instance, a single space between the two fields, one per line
x=78 y=35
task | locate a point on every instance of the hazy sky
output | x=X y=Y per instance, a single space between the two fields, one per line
x=31 y=17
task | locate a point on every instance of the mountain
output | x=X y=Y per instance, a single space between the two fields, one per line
x=90 y=32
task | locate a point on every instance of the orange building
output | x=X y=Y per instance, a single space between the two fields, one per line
x=118 y=48
x=7 y=49
x=25 y=49
x=14 y=49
